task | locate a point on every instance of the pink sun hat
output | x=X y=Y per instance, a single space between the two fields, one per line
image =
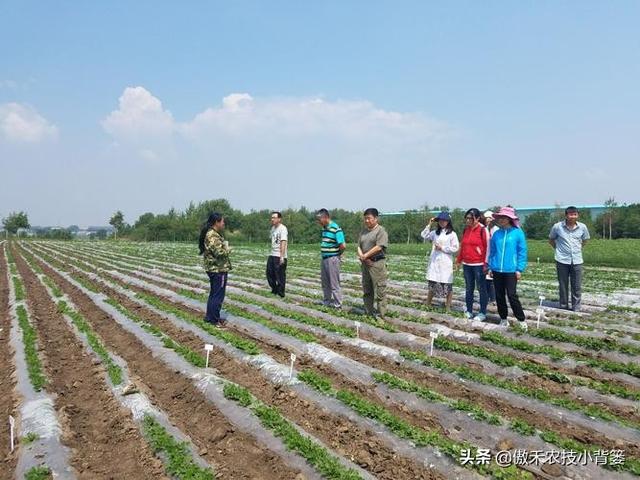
x=508 y=212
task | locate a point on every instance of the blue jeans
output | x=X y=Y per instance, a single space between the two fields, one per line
x=218 y=283
x=474 y=276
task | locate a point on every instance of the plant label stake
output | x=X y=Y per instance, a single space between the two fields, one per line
x=539 y=311
x=208 y=348
x=358 y=329
x=293 y=359
x=433 y=336
x=541 y=297
x=12 y=426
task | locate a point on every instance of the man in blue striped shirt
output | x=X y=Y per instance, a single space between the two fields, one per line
x=331 y=248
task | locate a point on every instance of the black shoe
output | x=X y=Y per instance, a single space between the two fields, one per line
x=281 y=294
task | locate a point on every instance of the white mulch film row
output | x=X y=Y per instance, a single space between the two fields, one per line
x=36 y=414
x=408 y=339
x=455 y=422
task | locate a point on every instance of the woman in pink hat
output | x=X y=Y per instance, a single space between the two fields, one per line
x=440 y=268
x=507 y=261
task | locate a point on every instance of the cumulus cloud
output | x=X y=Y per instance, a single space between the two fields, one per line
x=247 y=141
x=139 y=116
x=23 y=124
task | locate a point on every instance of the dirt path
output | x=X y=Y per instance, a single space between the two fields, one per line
x=7 y=383
x=105 y=442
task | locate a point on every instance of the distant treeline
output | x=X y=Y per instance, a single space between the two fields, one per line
x=621 y=222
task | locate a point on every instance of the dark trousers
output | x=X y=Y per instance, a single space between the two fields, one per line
x=474 y=277
x=491 y=290
x=277 y=274
x=218 y=283
x=505 y=284
x=574 y=273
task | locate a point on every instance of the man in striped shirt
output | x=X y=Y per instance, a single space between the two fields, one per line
x=331 y=248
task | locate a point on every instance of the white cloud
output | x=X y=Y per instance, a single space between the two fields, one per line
x=140 y=116
x=240 y=147
x=23 y=124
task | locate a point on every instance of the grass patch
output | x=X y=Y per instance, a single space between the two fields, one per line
x=38 y=473
x=113 y=370
x=465 y=372
x=29 y=340
x=271 y=325
x=319 y=457
x=590 y=343
x=237 y=341
x=403 y=429
x=29 y=438
x=189 y=355
x=18 y=288
x=475 y=411
x=501 y=359
x=297 y=316
x=53 y=287
x=179 y=463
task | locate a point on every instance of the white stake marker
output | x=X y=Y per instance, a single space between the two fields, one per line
x=357 y=329
x=208 y=348
x=542 y=298
x=433 y=336
x=12 y=426
x=539 y=311
x=293 y=359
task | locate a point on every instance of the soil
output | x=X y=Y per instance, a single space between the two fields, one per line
x=346 y=438
x=454 y=389
x=236 y=455
x=104 y=441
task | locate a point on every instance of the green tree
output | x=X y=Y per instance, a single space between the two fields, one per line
x=117 y=221
x=538 y=224
x=255 y=226
x=14 y=221
x=611 y=205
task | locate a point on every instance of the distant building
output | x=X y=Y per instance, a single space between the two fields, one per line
x=523 y=212
x=93 y=231
x=25 y=232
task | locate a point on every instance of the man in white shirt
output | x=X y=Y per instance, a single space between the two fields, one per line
x=277 y=261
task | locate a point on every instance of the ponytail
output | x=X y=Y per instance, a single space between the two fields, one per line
x=214 y=218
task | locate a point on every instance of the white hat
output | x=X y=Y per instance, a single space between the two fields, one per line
x=488 y=214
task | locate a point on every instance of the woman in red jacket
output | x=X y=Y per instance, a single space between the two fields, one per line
x=474 y=252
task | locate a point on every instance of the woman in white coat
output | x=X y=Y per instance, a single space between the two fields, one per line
x=440 y=268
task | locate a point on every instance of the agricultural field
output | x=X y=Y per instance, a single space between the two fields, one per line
x=103 y=345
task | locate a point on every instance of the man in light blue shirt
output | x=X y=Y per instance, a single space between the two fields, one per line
x=568 y=237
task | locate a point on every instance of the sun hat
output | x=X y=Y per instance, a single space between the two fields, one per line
x=444 y=216
x=488 y=214
x=510 y=213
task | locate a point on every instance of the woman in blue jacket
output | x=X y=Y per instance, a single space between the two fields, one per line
x=507 y=261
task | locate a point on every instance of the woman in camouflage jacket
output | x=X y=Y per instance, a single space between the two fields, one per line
x=215 y=251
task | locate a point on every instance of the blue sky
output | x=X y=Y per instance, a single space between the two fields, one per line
x=350 y=104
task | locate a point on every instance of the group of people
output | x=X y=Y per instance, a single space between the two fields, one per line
x=492 y=252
